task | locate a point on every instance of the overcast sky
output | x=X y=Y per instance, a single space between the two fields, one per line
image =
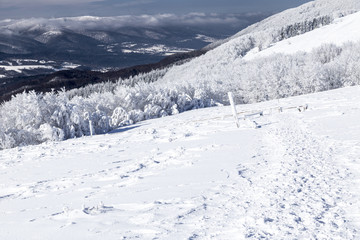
x=15 y=9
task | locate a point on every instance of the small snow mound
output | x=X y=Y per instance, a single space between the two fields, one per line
x=96 y=210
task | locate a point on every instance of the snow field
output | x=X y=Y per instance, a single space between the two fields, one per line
x=341 y=31
x=23 y=67
x=195 y=175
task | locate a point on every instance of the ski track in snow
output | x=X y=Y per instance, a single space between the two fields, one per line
x=195 y=176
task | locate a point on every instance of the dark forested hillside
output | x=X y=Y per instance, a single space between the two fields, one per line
x=70 y=79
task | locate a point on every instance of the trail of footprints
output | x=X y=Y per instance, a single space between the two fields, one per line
x=308 y=188
x=296 y=193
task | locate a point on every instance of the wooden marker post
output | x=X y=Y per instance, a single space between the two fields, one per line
x=91 y=128
x=231 y=99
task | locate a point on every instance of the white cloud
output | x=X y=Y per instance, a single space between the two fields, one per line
x=90 y=22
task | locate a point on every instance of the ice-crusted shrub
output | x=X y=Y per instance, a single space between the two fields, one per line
x=54 y=117
x=111 y=86
x=120 y=117
x=6 y=141
x=326 y=53
x=19 y=119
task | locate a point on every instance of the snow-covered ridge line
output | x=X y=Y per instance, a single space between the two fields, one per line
x=228 y=57
x=341 y=31
x=306 y=13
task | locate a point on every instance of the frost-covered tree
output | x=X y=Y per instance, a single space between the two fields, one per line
x=32 y=118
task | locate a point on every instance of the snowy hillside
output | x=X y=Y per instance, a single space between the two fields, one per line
x=325 y=10
x=195 y=176
x=226 y=62
x=283 y=174
x=331 y=60
x=341 y=31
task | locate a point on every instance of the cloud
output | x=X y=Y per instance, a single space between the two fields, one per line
x=9 y=3
x=104 y=23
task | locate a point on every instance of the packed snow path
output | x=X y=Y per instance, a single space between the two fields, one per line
x=195 y=176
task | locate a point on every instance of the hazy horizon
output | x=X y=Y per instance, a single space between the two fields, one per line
x=17 y=9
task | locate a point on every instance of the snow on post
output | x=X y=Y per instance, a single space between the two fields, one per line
x=231 y=99
x=91 y=128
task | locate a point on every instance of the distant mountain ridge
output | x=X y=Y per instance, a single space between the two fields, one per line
x=33 y=51
x=103 y=43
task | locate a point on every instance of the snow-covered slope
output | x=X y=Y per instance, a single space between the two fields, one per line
x=225 y=63
x=306 y=12
x=195 y=175
x=342 y=30
x=204 y=81
x=201 y=82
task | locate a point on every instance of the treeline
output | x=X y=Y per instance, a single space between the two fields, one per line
x=303 y=27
